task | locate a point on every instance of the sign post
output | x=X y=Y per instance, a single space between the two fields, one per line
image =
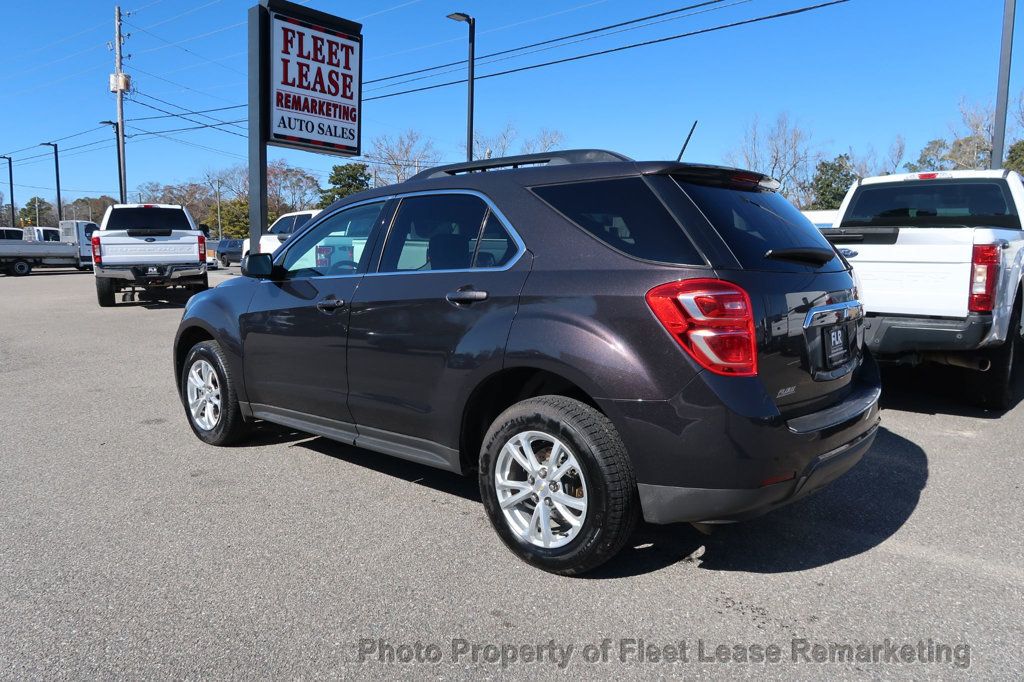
x=305 y=90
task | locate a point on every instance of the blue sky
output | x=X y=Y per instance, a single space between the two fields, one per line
x=855 y=75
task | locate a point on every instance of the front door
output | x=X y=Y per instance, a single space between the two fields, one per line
x=433 y=319
x=294 y=333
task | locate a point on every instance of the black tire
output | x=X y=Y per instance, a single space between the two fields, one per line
x=225 y=261
x=20 y=268
x=203 y=284
x=105 y=292
x=996 y=389
x=230 y=426
x=611 y=492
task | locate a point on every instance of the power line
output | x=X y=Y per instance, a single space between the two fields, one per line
x=676 y=17
x=549 y=41
x=185 y=115
x=778 y=15
x=170 y=115
x=180 y=85
x=185 y=49
x=199 y=127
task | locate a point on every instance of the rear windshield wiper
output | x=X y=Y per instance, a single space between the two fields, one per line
x=808 y=255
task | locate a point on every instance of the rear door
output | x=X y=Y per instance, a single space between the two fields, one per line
x=911 y=241
x=434 y=315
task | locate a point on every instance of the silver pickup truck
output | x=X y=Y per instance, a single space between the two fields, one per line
x=147 y=246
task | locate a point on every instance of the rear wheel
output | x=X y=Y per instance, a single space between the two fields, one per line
x=225 y=261
x=997 y=387
x=20 y=268
x=209 y=396
x=203 y=284
x=557 y=484
x=105 y=292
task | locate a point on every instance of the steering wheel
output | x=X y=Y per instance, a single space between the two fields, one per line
x=342 y=264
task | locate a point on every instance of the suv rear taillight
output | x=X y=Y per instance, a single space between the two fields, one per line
x=96 y=257
x=984 y=275
x=202 y=249
x=712 y=320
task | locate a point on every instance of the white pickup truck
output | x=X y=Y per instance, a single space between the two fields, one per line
x=939 y=259
x=68 y=246
x=281 y=231
x=147 y=246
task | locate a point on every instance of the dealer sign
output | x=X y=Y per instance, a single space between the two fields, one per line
x=315 y=75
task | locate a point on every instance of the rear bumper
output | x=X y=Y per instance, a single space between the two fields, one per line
x=893 y=335
x=671 y=504
x=141 y=274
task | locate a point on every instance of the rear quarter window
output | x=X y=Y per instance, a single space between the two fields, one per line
x=626 y=215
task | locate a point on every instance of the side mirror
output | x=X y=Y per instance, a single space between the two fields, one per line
x=258 y=265
x=283 y=238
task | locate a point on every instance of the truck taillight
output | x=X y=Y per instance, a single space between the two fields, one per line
x=712 y=320
x=984 y=275
x=97 y=259
x=202 y=249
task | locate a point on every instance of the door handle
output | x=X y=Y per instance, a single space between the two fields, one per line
x=329 y=305
x=465 y=296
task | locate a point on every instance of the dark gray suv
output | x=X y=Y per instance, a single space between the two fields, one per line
x=596 y=338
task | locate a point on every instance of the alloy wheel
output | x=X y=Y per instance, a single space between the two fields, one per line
x=203 y=392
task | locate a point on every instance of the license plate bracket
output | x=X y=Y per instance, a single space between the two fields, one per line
x=836 y=345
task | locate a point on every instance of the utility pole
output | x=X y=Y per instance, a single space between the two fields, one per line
x=10 y=179
x=119 y=83
x=220 y=228
x=1003 y=92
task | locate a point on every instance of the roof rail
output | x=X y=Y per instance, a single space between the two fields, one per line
x=553 y=158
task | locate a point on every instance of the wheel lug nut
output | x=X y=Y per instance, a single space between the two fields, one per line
x=547 y=501
x=543 y=472
x=532 y=480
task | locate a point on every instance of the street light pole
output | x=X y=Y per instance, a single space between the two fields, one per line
x=10 y=179
x=462 y=16
x=1003 y=93
x=120 y=165
x=56 y=169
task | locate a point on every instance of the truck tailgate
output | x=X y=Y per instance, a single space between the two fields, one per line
x=926 y=272
x=122 y=247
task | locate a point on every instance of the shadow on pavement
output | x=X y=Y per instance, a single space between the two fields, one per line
x=852 y=515
x=154 y=299
x=935 y=389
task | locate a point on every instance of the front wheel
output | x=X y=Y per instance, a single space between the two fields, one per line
x=209 y=396
x=557 y=484
x=225 y=261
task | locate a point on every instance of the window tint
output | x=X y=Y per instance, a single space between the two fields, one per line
x=435 y=232
x=337 y=246
x=496 y=246
x=626 y=215
x=753 y=222
x=301 y=220
x=89 y=229
x=283 y=225
x=933 y=203
x=148 y=219
x=11 y=234
x=51 y=236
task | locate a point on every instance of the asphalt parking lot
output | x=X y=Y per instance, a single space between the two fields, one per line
x=130 y=548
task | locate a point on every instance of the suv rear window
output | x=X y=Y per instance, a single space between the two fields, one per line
x=148 y=219
x=625 y=215
x=933 y=203
x=753 y=222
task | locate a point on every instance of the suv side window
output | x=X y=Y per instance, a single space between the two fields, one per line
x=301 y=220
x=336 y=246
x=626 y=215
x=434 y=232
x=285 y=225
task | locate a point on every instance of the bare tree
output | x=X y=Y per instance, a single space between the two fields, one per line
x=782 y=151
x=403 y=156
x=544 y=141
x=973 y=149
x=493 y=146
x=894 y=159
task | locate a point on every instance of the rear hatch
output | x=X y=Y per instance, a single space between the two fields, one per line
x=806 y=314
x=911 y=240
x=148 y=236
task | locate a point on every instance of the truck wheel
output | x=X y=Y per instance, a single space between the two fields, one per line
x=996 y=388
x=105 y=292
x=203 y=284
x=557 y=484
x=20 y=268
x=209 y=396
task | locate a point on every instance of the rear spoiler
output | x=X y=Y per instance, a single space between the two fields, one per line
x=711 y=175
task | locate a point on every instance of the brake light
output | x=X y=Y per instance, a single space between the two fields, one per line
x=712 y=320
x=927 y=176
x=202 y=249
x=984 y=275
x=96 y=257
